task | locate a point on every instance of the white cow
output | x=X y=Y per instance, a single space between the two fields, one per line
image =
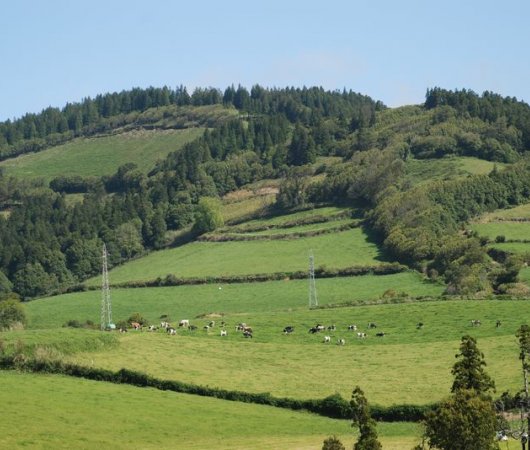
x=224 y=333
x=341 y=342
x=184 y=323
x=327 y=339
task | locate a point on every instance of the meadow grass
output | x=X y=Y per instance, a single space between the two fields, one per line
x=519 y=248
x=83 y=414
x=292 y=230
x=97 y=156
x=524 y=275
x=199 y=259
x=191 y=301
x=232 y=211
x=511 y=230
x=407 y=365
x=517 y=212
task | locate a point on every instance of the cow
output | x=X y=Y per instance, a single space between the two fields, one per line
x=327 y=339
x=361 y=335
x=152 y=328
x=192 y=327
x=211 y=324
x=288 y=330
x=320 y=327
x=419 y=326
x=476 y=323
x=184 y=323
x=247 y=329
x=313 y=330
x=206 y=327
x=123 y=330
x=352 y=327
x=498 y=324
x=247 y=334
x=240 y=326
x=332 y=327
x=171 y=331
x=380 y=334
x=341 y=342
x=371 y=325
x=224 y=333
x=136 y=325
x=165 y=325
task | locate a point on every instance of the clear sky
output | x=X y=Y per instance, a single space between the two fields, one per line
x=55 y=51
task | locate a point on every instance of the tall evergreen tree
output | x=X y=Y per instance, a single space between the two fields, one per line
x=362 y=418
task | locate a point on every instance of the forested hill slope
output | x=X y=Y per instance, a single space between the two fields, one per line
x=284 y=134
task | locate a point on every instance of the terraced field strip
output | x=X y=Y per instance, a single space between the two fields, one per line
x=238 y=210
x=197 y=259
x=298 y=229
x=517 y=212
x=518 y=248
x=76 y=413
x=97 y=156
x=510 y=230
x=190 y=301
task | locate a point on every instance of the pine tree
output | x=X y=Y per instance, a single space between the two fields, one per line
x=367 y=426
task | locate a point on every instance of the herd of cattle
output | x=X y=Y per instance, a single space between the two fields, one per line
x=247 y=332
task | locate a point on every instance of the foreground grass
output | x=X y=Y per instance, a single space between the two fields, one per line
x=75 y=413
x=190 y=301
x=406 y=366
x=197 y=259
x=97 y=156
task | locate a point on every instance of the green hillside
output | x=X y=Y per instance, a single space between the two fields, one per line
x=98 y=156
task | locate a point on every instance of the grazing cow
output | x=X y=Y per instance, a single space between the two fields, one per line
x=136 y=325
x=223 y=324
x=361 y=335
x=313 y=330
x=152 y=328
x=498 y=324
x=212 y=324
x=206 y=327
x=123 y=330
x=241 y=326
x=327 y=339
x=332 y=327
x=352 y=327
x=419 y=326
x=171 y=331
x=371 y=325
x=380 y=334
x=476 y=323
x=320 y=327
x=247 y=329
x=341 y=342
x=224 y=333
x=288 y=330
x=165 y=325
x=247 y=334
x=192 y=327
x=184 y=323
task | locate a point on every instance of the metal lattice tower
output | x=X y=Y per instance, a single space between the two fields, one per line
x=313 y=302
x=106 y=308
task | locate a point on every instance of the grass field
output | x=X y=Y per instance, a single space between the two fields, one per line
x=82 y=414
x=519 y=248
x=190 y=301
x=198 y=259
x=297 y=229
x=232 y=211
x=518 y=212
x=300 y=365
x=511 y=230
x=99 y=156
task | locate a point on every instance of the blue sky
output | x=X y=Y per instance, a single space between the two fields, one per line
x=55 y=51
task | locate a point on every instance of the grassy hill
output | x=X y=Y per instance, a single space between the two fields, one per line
x=98 y=156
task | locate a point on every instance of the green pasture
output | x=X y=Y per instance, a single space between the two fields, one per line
x=517 y=212
x=97 y=156
x=199 y=259
x=191 y=301
x=407 y=365
x=298 y=229
x=57 y=412
x=421 y=170
x=234 y=210
x=511 y=230
x=518 y=248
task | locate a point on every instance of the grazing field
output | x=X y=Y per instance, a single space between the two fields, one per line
x=200 y=259
x=510 y=230
x=297 y=229
x=524 y=275
x=191 y=301
x=517 y=212
x=76 y=413
x=237 y=210
x=300 y=365
x=97 y=156
x=518 y=248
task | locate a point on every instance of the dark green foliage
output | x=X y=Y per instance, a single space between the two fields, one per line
x=466 y=420
x=302 y=148
x=208 y=215
x=469 y=369
x=293 y=192
x=12 y=313
x=332 y=443
x=362 y=418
